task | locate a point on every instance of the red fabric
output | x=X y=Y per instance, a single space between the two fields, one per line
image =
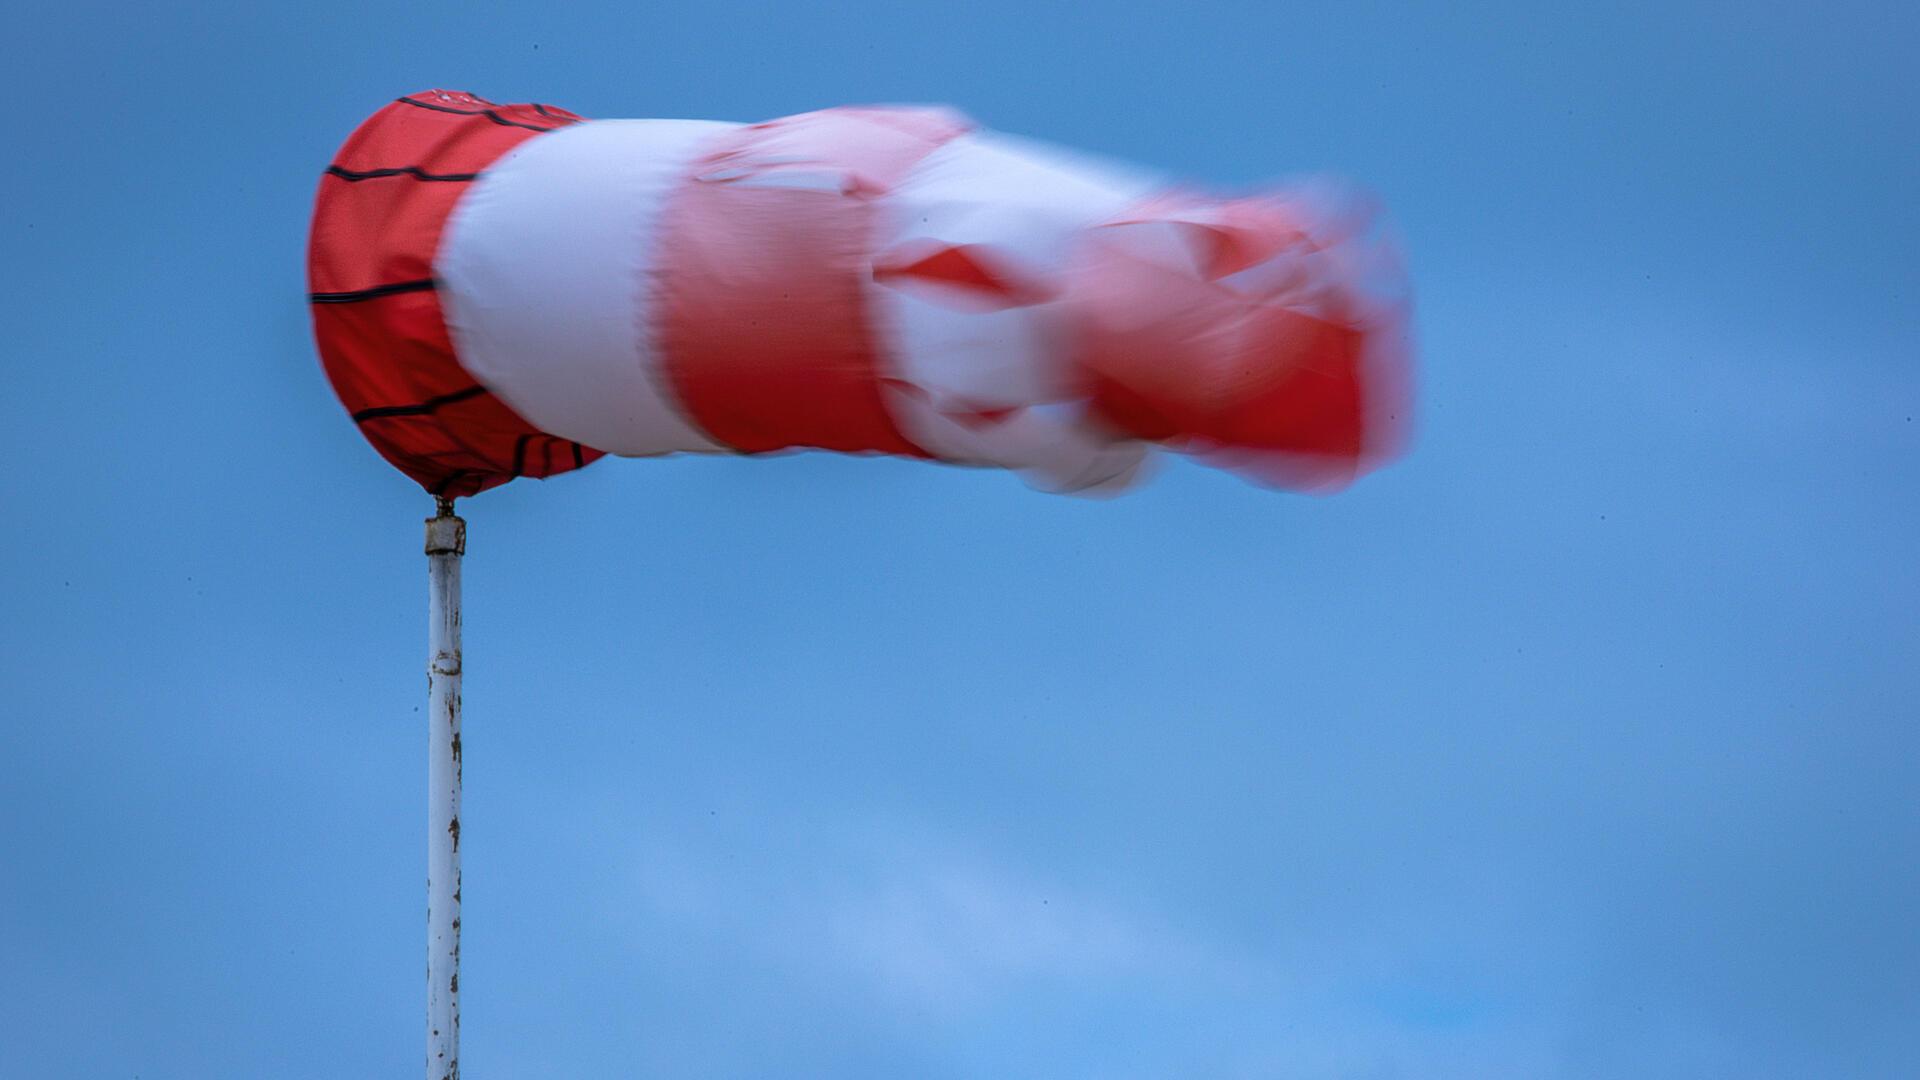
x=1299 y=386
x=976 y=271
x=376 y=227
x=764 y=263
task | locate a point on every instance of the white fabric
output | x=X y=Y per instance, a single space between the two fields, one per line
x=543 y=271
x=1022 y=205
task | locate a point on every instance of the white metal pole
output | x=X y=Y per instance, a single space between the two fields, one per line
x=446 y=543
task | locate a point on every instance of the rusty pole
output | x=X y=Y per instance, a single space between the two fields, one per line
x=446 y=543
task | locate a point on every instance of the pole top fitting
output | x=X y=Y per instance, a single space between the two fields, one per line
x=446 y=534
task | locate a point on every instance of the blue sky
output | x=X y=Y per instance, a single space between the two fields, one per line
x=1580 y=743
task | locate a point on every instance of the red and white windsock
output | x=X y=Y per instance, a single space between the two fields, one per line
x=510 y=290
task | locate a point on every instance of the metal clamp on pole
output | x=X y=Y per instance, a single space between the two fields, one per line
x=446 y=543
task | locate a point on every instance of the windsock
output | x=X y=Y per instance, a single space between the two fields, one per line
x=510 y=290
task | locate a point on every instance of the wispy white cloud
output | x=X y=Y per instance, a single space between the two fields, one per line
x=918 y=919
